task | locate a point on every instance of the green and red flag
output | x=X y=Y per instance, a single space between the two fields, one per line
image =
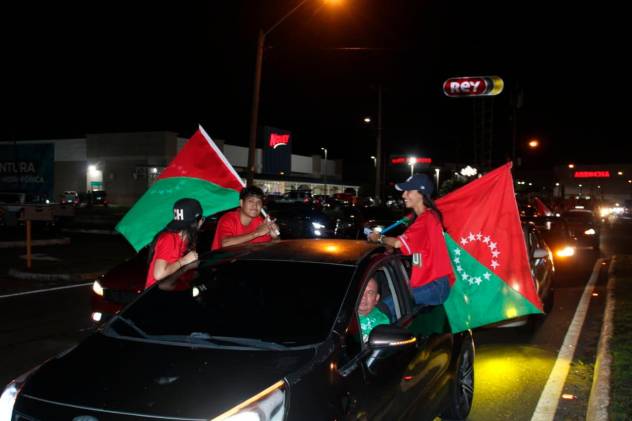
x=488 y=252
x=199 y=171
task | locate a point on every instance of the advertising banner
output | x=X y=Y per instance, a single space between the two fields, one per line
x=277 y=151
x=28 y=169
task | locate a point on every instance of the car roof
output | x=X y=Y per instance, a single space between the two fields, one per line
x=325 y=251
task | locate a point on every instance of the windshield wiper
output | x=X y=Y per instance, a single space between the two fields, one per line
x=205 y=338
x=132 y=325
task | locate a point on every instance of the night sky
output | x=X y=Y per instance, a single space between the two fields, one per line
x=71 y=69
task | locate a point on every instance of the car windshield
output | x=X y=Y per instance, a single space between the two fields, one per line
x=253 y=304
x=578 y=216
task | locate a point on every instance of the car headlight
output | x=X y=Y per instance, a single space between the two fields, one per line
x=267 y=405
x=590 y=231
x=318 y=225
x=10 y=394
x=565 y=252
x=97 y=288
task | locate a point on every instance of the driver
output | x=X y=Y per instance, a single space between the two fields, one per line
x=370 y=316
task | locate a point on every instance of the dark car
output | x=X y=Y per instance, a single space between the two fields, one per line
x=301 y=220
x=583 y=226
x=266 y=331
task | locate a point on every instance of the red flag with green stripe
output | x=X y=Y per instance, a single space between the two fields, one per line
x=488 y=253
x=199 y=171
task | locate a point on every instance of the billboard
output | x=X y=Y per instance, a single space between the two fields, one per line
x=27 y=169
x=277 y=151
x=473 y=86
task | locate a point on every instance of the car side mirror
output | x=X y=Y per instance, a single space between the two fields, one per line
x=540 y=253
x=390 y=336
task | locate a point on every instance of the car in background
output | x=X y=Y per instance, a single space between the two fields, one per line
x=584 y=226
x=70 y=197
x=267 y=332
x=295 y=196
x=301 y=220
x=93 y=198
x=558 y=236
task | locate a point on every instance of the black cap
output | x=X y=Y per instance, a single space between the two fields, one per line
x=420 y=182
x=185 y=213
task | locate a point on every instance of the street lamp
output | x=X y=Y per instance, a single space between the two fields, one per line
x=412 y=161
x=325 y=170
x=367 y=120
x=374 y=160
x=534 y=143
x=254 y=116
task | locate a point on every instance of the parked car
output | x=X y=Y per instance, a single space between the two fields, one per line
x=558 y=236
x=301 y=220
x=296 y=196
x=94 y=197
x=69 y=197
x=584 y=226
x=268 y=331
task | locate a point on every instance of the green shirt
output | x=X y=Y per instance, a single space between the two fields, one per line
x=368 y=322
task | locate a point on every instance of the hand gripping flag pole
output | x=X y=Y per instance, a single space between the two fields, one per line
x=404 y=221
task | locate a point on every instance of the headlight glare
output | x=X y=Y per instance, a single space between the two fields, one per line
x=318 y=225
x=97 y=288
x=565 y=252
x=590 y=231
x=7 y=400
x=267 y=405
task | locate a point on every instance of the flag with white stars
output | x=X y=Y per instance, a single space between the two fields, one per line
x=488 y=252
x=199 y=171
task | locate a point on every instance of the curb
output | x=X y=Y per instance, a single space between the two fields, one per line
x=29 y=276
x=599 y=399
x=21 y=243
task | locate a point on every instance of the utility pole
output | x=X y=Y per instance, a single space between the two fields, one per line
x=255 y=110
x=378 y=153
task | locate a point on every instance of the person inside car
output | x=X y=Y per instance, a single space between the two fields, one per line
x=173 y=247
x=432 y=274
x=370 y=316
x=245 y=224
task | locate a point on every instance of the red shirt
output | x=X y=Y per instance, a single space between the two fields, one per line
x=170 y=247
x=229 y=225
x=424 y=241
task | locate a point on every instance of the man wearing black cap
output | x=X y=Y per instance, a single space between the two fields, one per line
x=173 y=247
x=432 y=272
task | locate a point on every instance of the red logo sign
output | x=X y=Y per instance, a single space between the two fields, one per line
x=473 y=86
x=277 y=140
x=592 y=174
x=405 y=160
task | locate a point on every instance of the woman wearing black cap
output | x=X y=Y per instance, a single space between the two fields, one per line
x=432 y=274
x=173 y=247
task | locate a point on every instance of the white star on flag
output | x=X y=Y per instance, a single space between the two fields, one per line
x=457 y=252
x=486 y=239
x=478 y=280
x=463 y=241
x=465 y=276
x=495 y=253
x=479 y=236
x=487 y=275
x=471 y=237
x=459 y=269
x=470 y=281
x=494 y=264
x=492 y=245
x=457 y=260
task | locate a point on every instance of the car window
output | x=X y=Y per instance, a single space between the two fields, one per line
x=284 y=303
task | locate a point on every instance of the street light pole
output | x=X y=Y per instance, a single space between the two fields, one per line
x=254 y=115
x=378 y=153
x=325 y=170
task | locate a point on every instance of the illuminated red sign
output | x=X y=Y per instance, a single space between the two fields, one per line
x=277 y=140
x=473 y=86
x=406 y=160
x=592 y=174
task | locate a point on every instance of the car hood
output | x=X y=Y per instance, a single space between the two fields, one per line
x=154 y=379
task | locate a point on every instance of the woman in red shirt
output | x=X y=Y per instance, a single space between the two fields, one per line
x=432 y=273
x=174 y=246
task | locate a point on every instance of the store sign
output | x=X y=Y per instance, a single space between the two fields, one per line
x=592 y=174
x=407 y=160
x=277 y=140
x=473 y=86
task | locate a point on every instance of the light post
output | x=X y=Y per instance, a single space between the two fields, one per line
x=254 y=115
x=325 y=170
x=374 y=160
x=412 y=161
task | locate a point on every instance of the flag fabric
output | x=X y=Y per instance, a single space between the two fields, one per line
x=199 y=171
x=488 y=252
x=542 y=209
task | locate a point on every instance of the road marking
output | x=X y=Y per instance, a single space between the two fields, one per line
x=37 y=291
x=547 y=405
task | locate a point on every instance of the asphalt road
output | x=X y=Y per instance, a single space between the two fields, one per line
x=512 y=365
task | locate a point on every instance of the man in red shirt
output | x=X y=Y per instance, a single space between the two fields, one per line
x=245 y=224
x=432 y=274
